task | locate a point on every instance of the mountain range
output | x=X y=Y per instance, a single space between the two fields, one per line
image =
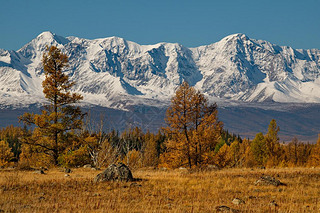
x=113 y=72
x=116 y=73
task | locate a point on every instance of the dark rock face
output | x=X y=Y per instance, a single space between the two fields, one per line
x=119 y=172
x=268 y=180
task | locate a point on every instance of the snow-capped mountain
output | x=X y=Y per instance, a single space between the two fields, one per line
x=113 y=72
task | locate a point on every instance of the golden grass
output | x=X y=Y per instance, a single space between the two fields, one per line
x=159 y=191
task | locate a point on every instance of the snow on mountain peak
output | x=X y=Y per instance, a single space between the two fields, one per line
x=39 y=44
x=46 y=35
x=236 y=36
x=110 y=70
x=49 y=37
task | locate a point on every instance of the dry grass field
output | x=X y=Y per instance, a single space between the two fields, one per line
x=160 y=191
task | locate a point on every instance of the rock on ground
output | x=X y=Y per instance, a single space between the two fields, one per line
x=39 y=172
x=273 y=203
x=225 y=209
x=268 y=180
x=238 y=201
x=119 y=172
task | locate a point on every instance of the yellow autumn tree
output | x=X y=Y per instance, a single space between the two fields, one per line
x=235 y=153
x=272 y=144
x=5 y=153
x=314 y=159
x=247 y=158
x=150 y=153
x=223 y=158
x=12 y=136
x=59 y=119
x=259 y=149
x=193 y=128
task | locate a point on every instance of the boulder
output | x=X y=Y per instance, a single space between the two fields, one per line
x=95 y=169
x=183 y=169
x=39 y=172
x=268 y=180
x=261 y=167
x=119 y=172
x=238 y=201
x=212 y=167
x=225 y=209
x=273 y=203
x=87 y=166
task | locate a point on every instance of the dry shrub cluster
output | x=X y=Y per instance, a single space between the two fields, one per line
x=178 y=190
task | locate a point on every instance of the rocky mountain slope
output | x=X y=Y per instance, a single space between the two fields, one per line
x=116 y=73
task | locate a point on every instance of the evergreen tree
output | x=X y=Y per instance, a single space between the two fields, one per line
x=12 y=135
x=55 y=126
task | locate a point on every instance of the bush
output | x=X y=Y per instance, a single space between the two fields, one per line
x=31 y=157
x=74 y=158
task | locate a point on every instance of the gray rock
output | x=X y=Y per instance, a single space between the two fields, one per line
x=135 y=185
x=273 y=203
x=182 y=169
x=238 y=201
x=212 y=167
x=96 y=169
x=87 y=166
x=268 y=180
x=261 y=167
x=119 y=172
x=39 y=172
x=225 y=209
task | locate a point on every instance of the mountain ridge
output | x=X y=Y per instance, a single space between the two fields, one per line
x=114 y=72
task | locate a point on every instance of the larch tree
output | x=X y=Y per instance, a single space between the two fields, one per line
x=259 y=149
x=314 y=159
x=272 y=144
x=193 y=128
x=235 y=153
x=5 y=153
x=55 y=126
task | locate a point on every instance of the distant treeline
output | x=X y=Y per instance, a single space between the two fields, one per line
x=138 y=149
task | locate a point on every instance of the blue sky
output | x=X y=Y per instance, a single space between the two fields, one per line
x=192 y=23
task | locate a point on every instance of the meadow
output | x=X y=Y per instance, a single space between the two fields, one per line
x=160 y=190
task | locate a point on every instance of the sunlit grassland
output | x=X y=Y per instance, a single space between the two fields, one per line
x=159 y=191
